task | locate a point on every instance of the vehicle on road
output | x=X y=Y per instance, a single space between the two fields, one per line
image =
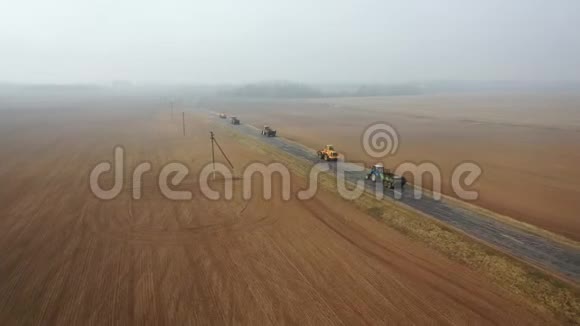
x=378 y=173
x=235 y=120
x=328 y=153
x=267 y=131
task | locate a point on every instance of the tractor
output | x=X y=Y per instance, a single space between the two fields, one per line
x=267 y=131
x=389 y=179
x=235 y=121
x=328 y=153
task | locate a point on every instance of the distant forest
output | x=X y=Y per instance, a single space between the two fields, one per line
x=286 y=89
x=283 y=89
x=275 y=89
x=297 y=90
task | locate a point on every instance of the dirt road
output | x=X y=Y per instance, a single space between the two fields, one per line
x=70 y=258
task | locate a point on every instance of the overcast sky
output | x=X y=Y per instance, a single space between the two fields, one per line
x=303 y=40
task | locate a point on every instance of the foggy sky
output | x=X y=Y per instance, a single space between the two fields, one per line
x=216 y=41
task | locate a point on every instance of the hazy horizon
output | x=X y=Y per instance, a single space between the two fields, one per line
x=69 y=42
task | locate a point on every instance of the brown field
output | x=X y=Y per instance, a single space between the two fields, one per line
x=70 y=258
x=526 y=144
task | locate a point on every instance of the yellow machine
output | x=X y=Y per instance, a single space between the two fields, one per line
x=328 y=153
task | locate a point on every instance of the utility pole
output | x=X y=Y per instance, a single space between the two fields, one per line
x=183 y=122
x=212 y=155
x=213 y=140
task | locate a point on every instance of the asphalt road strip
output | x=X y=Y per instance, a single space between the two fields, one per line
x=559 y=258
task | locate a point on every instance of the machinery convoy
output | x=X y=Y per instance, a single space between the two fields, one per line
x=377 y=173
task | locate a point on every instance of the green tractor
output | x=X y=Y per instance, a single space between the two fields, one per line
x=389 y=179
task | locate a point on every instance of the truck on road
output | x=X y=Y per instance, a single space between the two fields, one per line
x=328 y=153
x=377 y=173
x=267 y=131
